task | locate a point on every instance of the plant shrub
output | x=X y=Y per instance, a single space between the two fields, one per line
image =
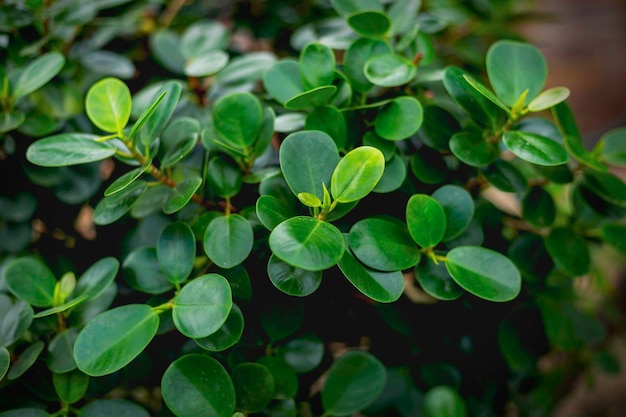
x=388 y=215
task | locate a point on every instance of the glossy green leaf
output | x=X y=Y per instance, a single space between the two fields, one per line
x=614 y=146
x=205 y=65
x=329 y=120
x=471 y=148
x=196 y=385
x=402 y=15
x=291 y=280
x=478 y=107
x=60 y=358
x=162 y=114
x=436 y=281
x=576 y=148
x=15 y=318
x=68 y=149
x=307 y=243
x=354 y=381
x=304 y=353
x=182 y=194
x=179 y=139
x=538 y=207
x=227 y=335
x=426 y=220
x=125 y=180
x=285 y=378
x=114 y=407
x=458 y=205
x=370 y=23
x=228 y=240
x=399 y=119
x=393 y=176
x=505 y=176
x=70 y=386
x=142 y=271
x=5 y=361
x=254 y=386
x=317 y=65
x=508 y=64
x=383 y=244
x=382 y=287
x=11 y=120
x=282 y=81
x=569 y=251
x=444 y=401
x=615 y=235
x=356 y=174
x=25 y=360
x=302 y=172
x=355 y=58
x=482 y=89
x=535 y=148
x=113 y=207
x=272 y=211
x=25 y=412
x=316 y=97
x=485 y=273
x=37 y=73
x=202 y=306
x=437 y=127
x=31 y=280
x=608 y=186
x=548 y=98
x=114 y=338
x=389 y=70
x=237 y=119
x=176 y=251
x=108 y=104
x=224 y=178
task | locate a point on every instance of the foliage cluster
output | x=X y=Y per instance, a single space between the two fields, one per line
x=391 y=214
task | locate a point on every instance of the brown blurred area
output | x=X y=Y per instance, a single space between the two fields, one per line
x=584 y=42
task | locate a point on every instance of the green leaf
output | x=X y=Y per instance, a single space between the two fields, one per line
x=108 y=104
x=5 y=361
x=309 y=200
x=508 y=64
x=548 y=98
x=224 y=178
x=116 y=407
x=237 y=119
x=254 y=386
x=68 y=149
x=155 y=124
x=60 y=358
x=458 y=205
x=176 y=251
x=30 y=280
x=247 y=68
x=399 y=119
x=428 y=166
x=11 y=120
x=609 y=187
x=355 y=58
x=179 y=139
x=471 y=148
x=304 y=353
x=402 y=14
x=505 y=176
x=108 y=63
x=228 y=240
x=308 y=160
x=181 y=194
x=70 y=386
x=317 y=65
x=113 y=207
x=389 y=70
x=347 y=7
x=436 y=281
x=383 y=244
x=478 y=86
x=205 y=65
x=382 y=287
x=438 y=127
x=202 y=306
x=15 y=318
x=538 y=207
x=125 y=180
x=331 y=121
x=272 y=211
x=316 y=97
x=142 y=271
x=114 y=338
x=426 y=220
x=444 y=401
x=282 y=81
x=165 y=45
x=569 y=251
x=354 y=381
x=25 y=360
x=25 y=412
x=393 y=176
x=285 y=378
x=535 y=148
x=370 y=23
x=195 y=385
x=227 y=335
x=307 y=243
x=614 y=234
x=291 y=280
x=483 y=272
x=356 y=174
x=37 y=73
x=614 y=146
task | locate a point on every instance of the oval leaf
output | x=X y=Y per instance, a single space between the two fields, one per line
x=399 y=119
x=291 y=280
x=68 y=149
x=535 y=148
x=389 y=70
x=426 y=220
x=569 y=251
x=108 y=104
x=37 y=73
x=30 y=280
x=227 y=335
x=254 y=386
x=357 y=174
x=237 y=119
x=458 y=205
x=228 y=240
x=176 y=251
x=548 y=98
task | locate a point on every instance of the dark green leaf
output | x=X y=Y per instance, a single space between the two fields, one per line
x=292 y=280
x=569 y=251
x=426 y=220
x=355 y=58
x=254 y=386
x=125 y=180
x=389 y=70
x=402 y=14
x=176 y=251
x=438 y=127
x=224 y=178
x=538 y=207
x=614 y=146
x=68 y=149
x=165 y=45
x=181 y=194
x=70 y=386
x=485 y=92
x=609 y=187
x=329 y=120
x=285 y=378
x=436 y=281
x=399 y=119
x=393 y=176
x=282 y=81
x=237 y=119
x=428 y=166
x=471 y=148
x=615 y=235
x=228 y=240
x=5 y=361
x=25 y=360
x=271 y=211
x=25 y=412
x=444 y=401
x=458 y=205
x=116 y=407
x=202 y=306
x=114 y=338
x=15 y=318
x=304 y=353
x=143 y=273
x=60 y=357
x=485 y=273
x=370 y=23
x=179 y=139
x=195 y=385
x=30 y=280
x=354 y=381
x=11 y=120
x=113 y=207
x=535 y=148
x=162 y=114
x=347 y=7
x=317 y=65
x=108 y=63
x=505 y=177
x=227 y=335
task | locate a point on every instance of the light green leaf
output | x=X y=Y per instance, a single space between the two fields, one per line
x=68 y=149
x=389 y=70
x=37 y=73
x=548 y=98
x=206 y=65
x=108 y=104
x=356 y=174
x=317 y=65
x=15 y=318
